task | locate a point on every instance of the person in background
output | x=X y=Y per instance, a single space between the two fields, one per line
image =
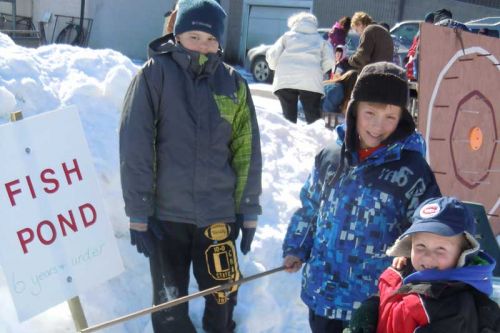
x=411 y=55
x=168 y=26
x=338 y=33
x=375 y=43
x=441 y=17
x=341 y=64
x=444 y=17
x=300 y=58
x=191 y=167
x=358 y=199
x=337 y=94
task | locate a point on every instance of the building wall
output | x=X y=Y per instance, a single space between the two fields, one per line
x=328 y=12
x=124 y=25
x=233 y=30
x=127 y=25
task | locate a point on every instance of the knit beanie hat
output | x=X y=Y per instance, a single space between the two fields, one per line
x=444 y=216
x=380 y=82
x=203 y=15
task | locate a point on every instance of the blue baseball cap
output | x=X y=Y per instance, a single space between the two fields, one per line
x=445 y=216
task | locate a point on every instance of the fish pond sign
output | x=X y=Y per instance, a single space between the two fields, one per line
x=56 y=240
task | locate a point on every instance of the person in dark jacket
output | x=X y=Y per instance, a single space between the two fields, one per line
x=358 y=199
x=375 y=42
x=191 y=166
x=451 y=278
x=441 y=17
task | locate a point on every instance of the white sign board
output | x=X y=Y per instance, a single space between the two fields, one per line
x=55 y=238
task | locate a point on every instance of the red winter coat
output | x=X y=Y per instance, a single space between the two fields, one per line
x=398 y=313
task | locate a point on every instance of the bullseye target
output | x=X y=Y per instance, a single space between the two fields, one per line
x=459 y=95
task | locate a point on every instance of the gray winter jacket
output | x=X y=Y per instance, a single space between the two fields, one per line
x=189 y=140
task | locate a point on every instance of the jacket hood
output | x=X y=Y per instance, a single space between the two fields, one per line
x=478 y=273
x=161 y=45
x=343 y=48
x=337 y=25
x=306 y=24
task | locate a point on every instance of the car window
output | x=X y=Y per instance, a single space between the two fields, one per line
x=405 y=33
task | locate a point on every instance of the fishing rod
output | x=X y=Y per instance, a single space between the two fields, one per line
x=180 y=300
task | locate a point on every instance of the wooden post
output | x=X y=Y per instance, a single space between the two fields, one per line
x=75 y=307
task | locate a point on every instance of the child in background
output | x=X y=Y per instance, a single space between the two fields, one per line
x=358 y=199
x=338 y=33
x=300 y=58
x=341 y=61
x=448 y=288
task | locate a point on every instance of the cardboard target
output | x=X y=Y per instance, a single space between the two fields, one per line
x=459 y=99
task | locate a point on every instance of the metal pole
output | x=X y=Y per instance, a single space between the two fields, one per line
x=81 y=39
x=14 y=18
x=75 y=307
x=180 y=300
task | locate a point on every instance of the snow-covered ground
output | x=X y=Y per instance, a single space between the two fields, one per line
x=95 y=81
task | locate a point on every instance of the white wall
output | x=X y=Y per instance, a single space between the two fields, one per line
x=127 y=25
x=124 y=25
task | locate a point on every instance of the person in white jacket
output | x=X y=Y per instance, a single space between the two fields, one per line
x=300 y=58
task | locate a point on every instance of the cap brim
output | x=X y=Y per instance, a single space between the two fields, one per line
x=433 y=227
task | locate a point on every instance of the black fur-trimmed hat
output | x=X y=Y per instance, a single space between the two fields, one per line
x=203 y=15
x=380 y=82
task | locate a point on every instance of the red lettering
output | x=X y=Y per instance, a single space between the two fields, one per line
x=30 y=185
x=63 y=221
x=76 y=169
x=46 y=180
x=47 y=232
x=25 y=241
x=87 y=223
x=11 y=192
x=40 y=235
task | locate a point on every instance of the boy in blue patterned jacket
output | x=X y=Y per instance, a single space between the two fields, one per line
x=358 y=199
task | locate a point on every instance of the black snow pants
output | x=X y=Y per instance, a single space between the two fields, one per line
x=311 y=101
x=213 y=254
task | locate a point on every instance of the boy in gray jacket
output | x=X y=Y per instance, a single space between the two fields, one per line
x=191 y=166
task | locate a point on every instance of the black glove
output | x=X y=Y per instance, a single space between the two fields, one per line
x=142 y=235
x=365 y=318
x=247 y=228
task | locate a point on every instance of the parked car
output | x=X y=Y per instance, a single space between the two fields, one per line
x=256 y=62
x=490 y=26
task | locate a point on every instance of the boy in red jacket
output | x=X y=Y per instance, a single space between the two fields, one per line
x=448 y=288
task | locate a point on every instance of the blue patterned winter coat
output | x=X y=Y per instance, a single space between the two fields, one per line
x=350 y=216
